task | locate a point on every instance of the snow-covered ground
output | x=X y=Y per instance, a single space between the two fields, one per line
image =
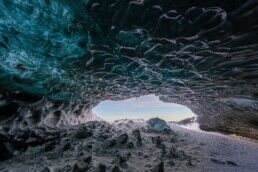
x=128 y=145
x=222 y=152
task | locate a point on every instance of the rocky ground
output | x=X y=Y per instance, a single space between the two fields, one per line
x=127 y=146
x=198 y=53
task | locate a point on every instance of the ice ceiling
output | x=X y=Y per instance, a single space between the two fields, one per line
x=198 y=53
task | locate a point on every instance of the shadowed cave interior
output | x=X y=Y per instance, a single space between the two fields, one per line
x=60 y=58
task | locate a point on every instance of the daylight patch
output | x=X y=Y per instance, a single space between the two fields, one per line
x=143 y=107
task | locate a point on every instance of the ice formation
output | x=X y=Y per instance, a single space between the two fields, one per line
x=60 y=58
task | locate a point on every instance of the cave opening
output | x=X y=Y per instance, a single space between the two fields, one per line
x=142 y=108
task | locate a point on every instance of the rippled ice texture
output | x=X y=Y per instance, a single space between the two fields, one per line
x=86 y=51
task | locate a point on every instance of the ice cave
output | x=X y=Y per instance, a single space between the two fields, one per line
x=64 y=64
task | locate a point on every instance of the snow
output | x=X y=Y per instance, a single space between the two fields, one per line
x=188 y=150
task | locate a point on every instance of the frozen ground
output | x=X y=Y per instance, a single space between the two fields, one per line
x=221 y=152
x=128 y=145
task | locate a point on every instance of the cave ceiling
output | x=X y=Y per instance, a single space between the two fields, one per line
x=202 y=54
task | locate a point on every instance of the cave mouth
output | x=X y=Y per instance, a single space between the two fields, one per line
x=142 y=107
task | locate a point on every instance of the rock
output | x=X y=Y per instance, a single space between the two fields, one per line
x=67 y=168
x=88 y=147
x=231 y=163
x=130 y=145
x=81 y=166
x=159 y=167
x=36 y=116
x=189 y=162
x=140 y=153
x=121 y=159
x=122 y=139
x=102 y=168
x=46 y=169
x=129 y=154
x=51 y=146
x=137 y=134
x=87 y=159
x=163 y=149
x=173 y=139
x=217 y=161
x=171 y=163
x=158 y=125
x=109 y=143
x=83 y=133
x=6 y=151
x=66 y=147
x=116 y=169
x=124 y=165
x=157 y=141
x=222 y=162
x=178 y=154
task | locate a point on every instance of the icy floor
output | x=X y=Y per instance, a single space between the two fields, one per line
x=129 y=145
